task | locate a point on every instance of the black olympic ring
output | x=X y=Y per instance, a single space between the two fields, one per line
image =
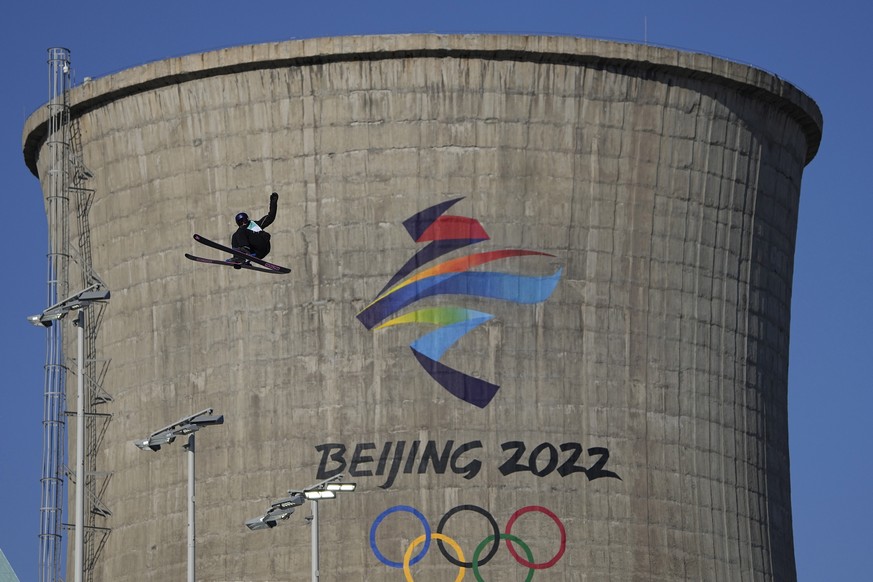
x=494 y=526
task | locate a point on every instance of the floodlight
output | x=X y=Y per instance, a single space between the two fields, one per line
x=293 y=501
x=319 y=494
x=341 y=486
x=202 y=421
x=93 y=294
x=259 y=523
x=86 y=298
x=281 y=509
x=147 y=445
x=45 y=320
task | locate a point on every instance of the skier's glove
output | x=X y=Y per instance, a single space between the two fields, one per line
x=274 y=196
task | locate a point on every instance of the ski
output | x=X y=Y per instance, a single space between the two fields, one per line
x=234 y=265
x=270 y=267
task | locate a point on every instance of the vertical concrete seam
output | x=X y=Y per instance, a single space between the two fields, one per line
x=694 y=350
x=668 y=241
x=309 y=151
x=609 y=299
x=761 y=411
x=722 y=274
x=741 y=343
x=647 y=290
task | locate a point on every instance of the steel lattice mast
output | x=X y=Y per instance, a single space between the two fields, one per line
x=54 y=426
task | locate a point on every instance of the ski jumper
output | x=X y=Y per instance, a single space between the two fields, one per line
x=252 y=236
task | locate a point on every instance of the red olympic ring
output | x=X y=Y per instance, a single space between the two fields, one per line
x=563 y=545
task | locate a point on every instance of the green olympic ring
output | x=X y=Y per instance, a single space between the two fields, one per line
x=510 y=538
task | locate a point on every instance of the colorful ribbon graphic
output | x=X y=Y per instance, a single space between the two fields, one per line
x=452 y=277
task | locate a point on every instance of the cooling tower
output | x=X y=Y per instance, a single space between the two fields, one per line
x=538 y=310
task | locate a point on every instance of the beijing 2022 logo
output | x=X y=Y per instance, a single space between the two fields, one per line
x=454 y=276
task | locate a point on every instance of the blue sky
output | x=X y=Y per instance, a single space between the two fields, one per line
x=824 y=48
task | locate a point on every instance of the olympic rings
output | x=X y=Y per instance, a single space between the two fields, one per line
x=475 y=563
x=441 y=538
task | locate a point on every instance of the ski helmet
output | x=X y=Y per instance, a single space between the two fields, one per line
x=242 y=218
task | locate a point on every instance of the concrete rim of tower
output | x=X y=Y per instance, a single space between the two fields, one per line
x=542 y=49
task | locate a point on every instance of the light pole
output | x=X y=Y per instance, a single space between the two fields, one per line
x=184 y=427
x=77 y=302
x=79 y=322
x=283 y=509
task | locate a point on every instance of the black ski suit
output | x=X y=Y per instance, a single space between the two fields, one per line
x=257 y=242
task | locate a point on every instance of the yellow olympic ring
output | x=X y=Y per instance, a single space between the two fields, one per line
x=437 y=536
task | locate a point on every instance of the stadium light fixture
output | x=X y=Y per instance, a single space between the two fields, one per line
x=93 y=294
x=279 y=510
x=183 y=427
x=187 y=426
x=282 y=510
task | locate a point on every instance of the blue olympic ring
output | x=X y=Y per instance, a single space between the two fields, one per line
x=385 y=514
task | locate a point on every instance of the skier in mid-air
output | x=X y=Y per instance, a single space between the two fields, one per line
x=250 y=236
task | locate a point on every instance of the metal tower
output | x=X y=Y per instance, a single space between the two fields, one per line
x=54 y=427
x=66 y=183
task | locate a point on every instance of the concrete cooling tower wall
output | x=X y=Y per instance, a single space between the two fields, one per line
x=540 y=291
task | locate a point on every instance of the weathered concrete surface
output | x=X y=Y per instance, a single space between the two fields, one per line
x=665 y=184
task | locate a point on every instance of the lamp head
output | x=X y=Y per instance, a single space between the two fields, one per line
x=317 y=494
x=147 y=445
x=260 y=523
x=39 y=321
x=202 y=421
x=293 y=500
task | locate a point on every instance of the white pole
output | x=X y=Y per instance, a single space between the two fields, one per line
x=315 y=572
x=190 y=448
x=80 y=447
